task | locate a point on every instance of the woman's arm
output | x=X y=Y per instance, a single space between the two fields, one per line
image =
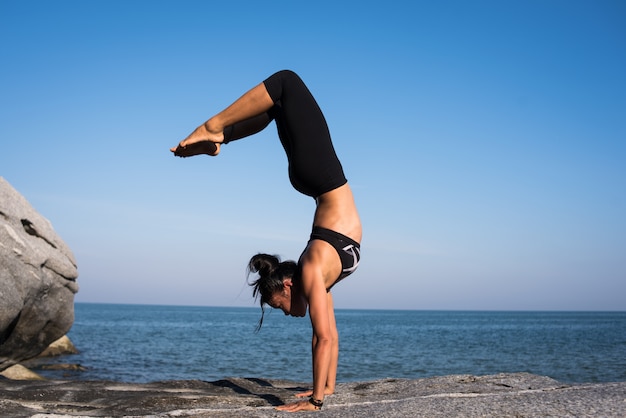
x=331 y=380
x=314 y=289
x=323 y=340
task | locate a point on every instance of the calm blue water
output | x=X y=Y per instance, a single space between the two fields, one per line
x=138 y=343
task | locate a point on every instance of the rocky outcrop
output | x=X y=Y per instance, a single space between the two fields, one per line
x=19 y=372
x=503 y=395
x=61 y=347
x=37 y=280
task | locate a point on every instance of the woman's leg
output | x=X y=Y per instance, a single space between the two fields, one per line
x=314 y=168
x=300 y=117
x=206 y=138
x=247 y=127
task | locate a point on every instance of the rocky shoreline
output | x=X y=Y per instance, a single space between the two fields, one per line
x=38 y=275
x=503 y=395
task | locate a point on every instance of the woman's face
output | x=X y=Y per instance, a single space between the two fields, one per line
x=284 y=300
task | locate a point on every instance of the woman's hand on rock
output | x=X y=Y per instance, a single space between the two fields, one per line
x=297 y=406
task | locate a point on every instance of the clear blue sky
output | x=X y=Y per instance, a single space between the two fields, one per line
x=485 y=142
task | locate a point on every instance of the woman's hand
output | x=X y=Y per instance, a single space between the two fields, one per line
x=298 y=406
x=327 y=391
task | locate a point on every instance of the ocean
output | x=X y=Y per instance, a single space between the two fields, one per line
x=141 y=343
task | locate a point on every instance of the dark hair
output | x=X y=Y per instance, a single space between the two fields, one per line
x=271 y=273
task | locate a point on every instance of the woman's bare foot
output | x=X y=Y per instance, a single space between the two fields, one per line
x=201 y=141
x=204 y=147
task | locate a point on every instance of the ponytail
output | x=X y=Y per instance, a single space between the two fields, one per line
x=271 y=273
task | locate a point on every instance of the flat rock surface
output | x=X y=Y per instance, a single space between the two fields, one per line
x=503 y=395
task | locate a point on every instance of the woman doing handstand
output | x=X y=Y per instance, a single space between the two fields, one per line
x=333 y=250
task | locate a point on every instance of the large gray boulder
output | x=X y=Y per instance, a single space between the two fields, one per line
x=37 y=280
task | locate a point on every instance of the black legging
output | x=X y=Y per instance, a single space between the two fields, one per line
x=314 y=168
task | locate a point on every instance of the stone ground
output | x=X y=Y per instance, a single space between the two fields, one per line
x=503 y=395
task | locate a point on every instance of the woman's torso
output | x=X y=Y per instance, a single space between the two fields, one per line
x=336 y=210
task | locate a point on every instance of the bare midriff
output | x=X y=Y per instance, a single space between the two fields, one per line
x=337 y=211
